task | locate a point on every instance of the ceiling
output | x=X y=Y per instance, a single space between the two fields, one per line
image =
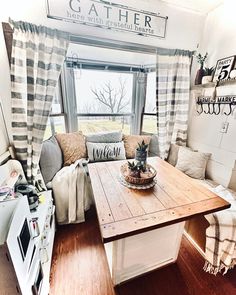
x=199 y=6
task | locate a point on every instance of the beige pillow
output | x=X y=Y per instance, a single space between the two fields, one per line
x=173 y=153
x=192 y=163
x=131 y=143
x=73 y=146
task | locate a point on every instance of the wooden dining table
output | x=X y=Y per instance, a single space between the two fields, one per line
x=142 y=229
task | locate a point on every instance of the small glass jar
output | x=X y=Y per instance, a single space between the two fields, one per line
x=141 y=158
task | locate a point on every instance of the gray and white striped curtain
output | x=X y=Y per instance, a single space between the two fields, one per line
x=172 y=98
x=38 y=53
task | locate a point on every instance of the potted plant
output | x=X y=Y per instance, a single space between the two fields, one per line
x=134 y=169
x=134 y=173
x=207 y=75
x=200 y=73
x=141 y=154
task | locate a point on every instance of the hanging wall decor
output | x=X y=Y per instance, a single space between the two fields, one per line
x=223 y=68
x=108 y=15
x=212 y=106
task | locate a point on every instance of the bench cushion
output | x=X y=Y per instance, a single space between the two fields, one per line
x=51 y=159
x=105 y=136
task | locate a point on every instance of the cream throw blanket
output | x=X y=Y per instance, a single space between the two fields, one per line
x=220 y=251
x=72 y=193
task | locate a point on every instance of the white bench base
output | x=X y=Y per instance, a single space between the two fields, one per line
x=135 y=255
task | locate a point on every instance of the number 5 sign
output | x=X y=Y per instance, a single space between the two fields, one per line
x=223 y=68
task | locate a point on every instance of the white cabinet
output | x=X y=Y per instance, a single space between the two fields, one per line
x=135 y=255
x=26 y=246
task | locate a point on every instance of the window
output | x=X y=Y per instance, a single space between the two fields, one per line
x=103 y=100
x=56 y=120
x=104 y=88
x=149 y=119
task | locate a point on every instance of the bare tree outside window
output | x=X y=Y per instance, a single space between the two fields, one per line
x=89 y=108
x=113 y=97
x=102 y=97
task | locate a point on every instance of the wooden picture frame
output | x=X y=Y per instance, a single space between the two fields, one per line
x=223 y=68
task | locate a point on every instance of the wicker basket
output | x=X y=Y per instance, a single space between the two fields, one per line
x=138 y=180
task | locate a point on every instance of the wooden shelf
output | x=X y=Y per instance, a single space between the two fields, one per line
x=214 y=84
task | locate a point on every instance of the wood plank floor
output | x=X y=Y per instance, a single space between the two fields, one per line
x=79 y=267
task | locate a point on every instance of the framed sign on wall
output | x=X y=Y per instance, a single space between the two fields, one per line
x=108 y=15
x=223 y=68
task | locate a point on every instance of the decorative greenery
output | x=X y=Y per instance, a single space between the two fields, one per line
x=135 y=168
x=142 y=147
x=208 y=71
x=132 y=166
x=201 y=58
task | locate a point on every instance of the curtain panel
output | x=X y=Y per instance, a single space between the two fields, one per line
x=172 y=98
x=37 y=56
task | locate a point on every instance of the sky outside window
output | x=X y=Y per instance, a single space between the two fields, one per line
x=103 y=92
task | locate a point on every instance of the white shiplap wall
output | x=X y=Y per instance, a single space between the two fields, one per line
x=219 y=40
x=205 y=135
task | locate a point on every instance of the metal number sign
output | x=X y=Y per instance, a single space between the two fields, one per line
x=223 y=68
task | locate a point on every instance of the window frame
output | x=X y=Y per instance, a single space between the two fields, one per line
x=115 y=68
x=69 y=106
x=60 y=114
x=146 y=113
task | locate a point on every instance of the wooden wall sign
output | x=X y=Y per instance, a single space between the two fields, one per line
x=108 y=15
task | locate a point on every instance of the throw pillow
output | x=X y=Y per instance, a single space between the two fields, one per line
x=106 y=151
x=73 y=146
x=106 y=136
x=131 y=143
x=153 y=149
x=50 y=159
x=173 y=153
x=192 y=163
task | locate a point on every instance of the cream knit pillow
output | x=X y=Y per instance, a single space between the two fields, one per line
x=173 y=153
x=192 y=163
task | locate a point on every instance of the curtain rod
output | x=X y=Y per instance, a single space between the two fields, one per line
x=79 y=63
x=79 y=60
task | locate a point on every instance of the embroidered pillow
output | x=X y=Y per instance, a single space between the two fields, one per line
x=106 y=151
x=131 y=143
x=192 y=163
x=73 y=146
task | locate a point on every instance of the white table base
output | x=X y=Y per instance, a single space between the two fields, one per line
x=135 y=255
